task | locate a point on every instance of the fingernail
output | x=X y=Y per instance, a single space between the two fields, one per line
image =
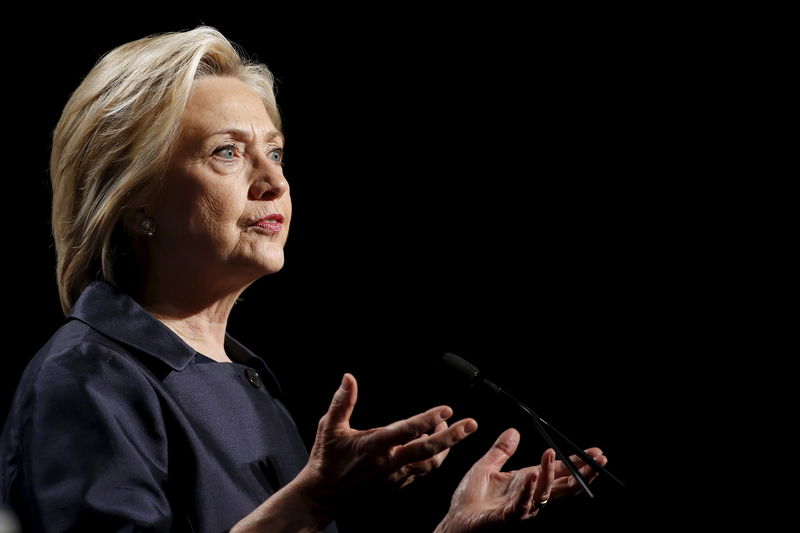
x=470 y=427
x=345 y=386
x=445 y=413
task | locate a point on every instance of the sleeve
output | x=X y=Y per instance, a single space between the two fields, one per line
x=94 y=446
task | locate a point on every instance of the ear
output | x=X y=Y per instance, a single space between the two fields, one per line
x=133 y=219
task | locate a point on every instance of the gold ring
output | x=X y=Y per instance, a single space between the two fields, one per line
x=539 y=505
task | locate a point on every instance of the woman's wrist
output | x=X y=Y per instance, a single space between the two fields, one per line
x=453 y=522
x=448 y=524
x=317 y=497
x=299 y=507
x=445 y=526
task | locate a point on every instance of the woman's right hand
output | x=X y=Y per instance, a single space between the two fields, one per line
x=343 y=458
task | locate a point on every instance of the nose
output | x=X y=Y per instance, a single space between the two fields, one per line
x=268 y=181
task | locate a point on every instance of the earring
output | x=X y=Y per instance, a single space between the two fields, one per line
x=149 y=226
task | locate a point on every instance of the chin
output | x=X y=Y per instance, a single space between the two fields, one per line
x=273 y=268
x=271 y=262
x=259 y=261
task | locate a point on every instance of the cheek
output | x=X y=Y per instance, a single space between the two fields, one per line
x=286 y=205
x=210 y=208
x=218 y=212
x=203 y=208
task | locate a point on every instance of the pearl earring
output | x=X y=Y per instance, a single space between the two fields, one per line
x=149 y=226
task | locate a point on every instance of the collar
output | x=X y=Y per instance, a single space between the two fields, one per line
x=118 y=316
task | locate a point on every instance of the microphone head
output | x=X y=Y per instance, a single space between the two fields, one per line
x=462 y=366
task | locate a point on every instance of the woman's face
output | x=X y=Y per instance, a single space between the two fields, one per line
x=225 y=208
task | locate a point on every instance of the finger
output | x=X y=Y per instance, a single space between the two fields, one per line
x=343 y=402
x=568 y=486
x=429 y=448
x=420 y=468
x=524 y=503
x=588 y=472
x=441 y=426
x=561 y=468
x=544 y=481
x=403 y=431
x=438 y=458
x=503 y=448
x=403 y=479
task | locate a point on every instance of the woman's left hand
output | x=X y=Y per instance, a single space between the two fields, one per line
x=488 y=497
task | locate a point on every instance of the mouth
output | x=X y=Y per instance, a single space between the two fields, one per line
x=272 y=222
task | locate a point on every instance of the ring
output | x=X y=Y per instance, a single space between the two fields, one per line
x=538 y=505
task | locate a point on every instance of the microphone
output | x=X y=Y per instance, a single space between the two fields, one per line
x=470 y=371
x=475 y=378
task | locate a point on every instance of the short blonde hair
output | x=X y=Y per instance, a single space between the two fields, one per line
x=111 y=144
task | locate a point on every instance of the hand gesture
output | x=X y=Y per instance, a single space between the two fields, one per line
x=487 y=497
x=344 y=458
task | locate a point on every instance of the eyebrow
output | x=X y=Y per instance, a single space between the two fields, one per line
x=245 y=134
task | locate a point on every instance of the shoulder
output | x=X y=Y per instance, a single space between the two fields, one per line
x=85 y=437
x=77 y=348
x=84 y=392
x=79 y=364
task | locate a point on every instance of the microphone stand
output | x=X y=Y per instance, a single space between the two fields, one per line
x=539 y=424
x=474 y=375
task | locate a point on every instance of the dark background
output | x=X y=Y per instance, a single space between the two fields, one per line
x=496 y=186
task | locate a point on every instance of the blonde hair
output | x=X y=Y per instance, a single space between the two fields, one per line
x=111 y=144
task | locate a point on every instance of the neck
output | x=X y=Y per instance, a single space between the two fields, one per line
x=196 y=312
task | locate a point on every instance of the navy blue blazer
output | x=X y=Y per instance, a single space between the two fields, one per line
x=119 y=425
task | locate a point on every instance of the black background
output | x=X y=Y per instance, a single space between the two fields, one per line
x=495 y=186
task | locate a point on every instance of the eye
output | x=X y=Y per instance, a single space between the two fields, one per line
x=227 y=152
x=276 y=155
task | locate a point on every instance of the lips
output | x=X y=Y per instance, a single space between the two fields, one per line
x=273 y=222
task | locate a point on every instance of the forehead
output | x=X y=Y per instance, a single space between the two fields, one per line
x=218 y=102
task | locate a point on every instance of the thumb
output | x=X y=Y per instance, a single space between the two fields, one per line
x=343 y=402
x=503 y=448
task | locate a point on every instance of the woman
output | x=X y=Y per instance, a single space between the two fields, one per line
x=142 y=413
